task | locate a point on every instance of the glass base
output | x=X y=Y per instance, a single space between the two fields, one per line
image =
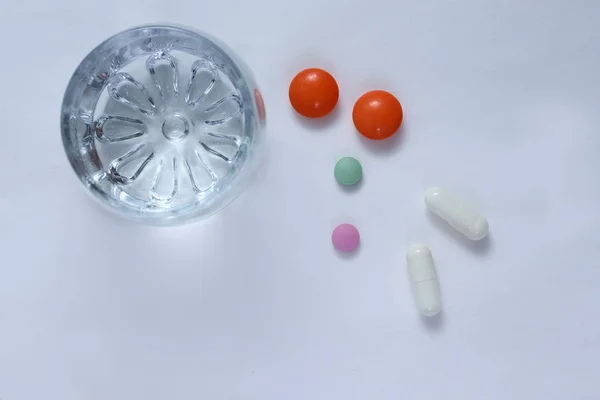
x=162 y=124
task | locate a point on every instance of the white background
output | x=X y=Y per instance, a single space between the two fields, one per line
x=501 y=101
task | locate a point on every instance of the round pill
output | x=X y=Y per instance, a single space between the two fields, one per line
x=347 y=171
x=314 y=93
x=345 y=237
x=377 y=114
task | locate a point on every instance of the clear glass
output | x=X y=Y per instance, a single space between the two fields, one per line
x=162 y=124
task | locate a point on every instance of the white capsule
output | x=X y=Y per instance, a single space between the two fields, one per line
x=456 y=213
x=424 y=283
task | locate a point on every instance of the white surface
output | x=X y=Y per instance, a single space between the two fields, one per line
x=501 y=103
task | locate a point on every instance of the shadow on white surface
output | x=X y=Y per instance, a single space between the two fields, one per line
x=353 y=188
x=433 y=324
x=318 y=124
x=348 y=255
x=481 y=247
x=384 y=147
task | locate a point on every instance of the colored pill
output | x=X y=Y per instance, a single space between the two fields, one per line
x=458 y=214
x=347 y=171
x=313 y=93
x=377 y=115
x=345 y=237
x=424 y=283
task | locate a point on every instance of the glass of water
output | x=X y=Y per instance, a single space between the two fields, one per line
x=162 y=124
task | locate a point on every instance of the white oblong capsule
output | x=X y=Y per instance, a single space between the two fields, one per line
x=424 y=282
x=456 y=213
